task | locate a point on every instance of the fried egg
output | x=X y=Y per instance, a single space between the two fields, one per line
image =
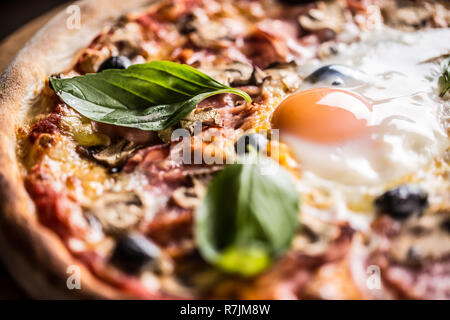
x=370 y=115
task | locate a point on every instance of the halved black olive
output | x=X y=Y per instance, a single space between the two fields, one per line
x=116 y=62
x=256 y=140
x=133 y=252
x=402 y=202
x=335 y=75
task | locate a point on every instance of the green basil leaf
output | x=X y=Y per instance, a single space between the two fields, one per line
x=151 y=96
x=444 y=80
x=247 y=218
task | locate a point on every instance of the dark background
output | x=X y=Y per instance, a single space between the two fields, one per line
x=16 y=13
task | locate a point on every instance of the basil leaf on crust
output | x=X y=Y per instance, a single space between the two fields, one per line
x=247 y=218
x=151 y=96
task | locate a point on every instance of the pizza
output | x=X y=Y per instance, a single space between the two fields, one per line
x=205 y=149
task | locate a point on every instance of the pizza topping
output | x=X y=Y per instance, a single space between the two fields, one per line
x=57 y=208
x=218 y=34
x=444 y=80
x=137 y=136
x=186 y=25
x=152 y=96
x=328 y=15
x=264 y=49
x=415 y=259
x=280 y=74
x=315 y=236
x=116 y=154
x=190 y=197
x=422 y=238
x=80 y=128
x=245 y=44
x=206 y=116
x=117 y=211
x=236 y=73
x=335 y=75
x=135 y=252
x=254 y=140
x=298 y=274
x=429 y=281
x=242 y=232
x=115 y=62
x=412 y=15
x=295 y=2
x=48 y=125
x=402 y=202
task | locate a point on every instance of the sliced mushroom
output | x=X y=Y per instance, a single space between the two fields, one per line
x=259 y=76
x=207 y=116
x=235 y=74
x=423 y=238
x=116 y=154
x=117 y=211
x=327 y=49
x=284 y=73
x=190 y=197
x=328 y=15
x=409 y=17
x=315 y=236
x=203 y=32
x=126 y=40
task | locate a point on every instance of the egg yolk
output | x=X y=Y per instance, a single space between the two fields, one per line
x=323 y=115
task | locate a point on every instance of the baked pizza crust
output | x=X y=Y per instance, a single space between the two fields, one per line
x=33 y=254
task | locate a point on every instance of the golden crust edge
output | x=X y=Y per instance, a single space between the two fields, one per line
x=34 y=255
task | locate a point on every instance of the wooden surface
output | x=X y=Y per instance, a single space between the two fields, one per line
x=8 y=49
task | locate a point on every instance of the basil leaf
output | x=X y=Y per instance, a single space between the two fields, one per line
x=445 y=77
x=246 y=218
x=151 y=96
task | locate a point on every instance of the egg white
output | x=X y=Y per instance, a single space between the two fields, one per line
x=406 y=130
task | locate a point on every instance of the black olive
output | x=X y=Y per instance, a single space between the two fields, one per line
x=133 y=252
x=114 y=170
x=335 y=75
x=116 y=62
x=256 y=140
x=402 y=202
